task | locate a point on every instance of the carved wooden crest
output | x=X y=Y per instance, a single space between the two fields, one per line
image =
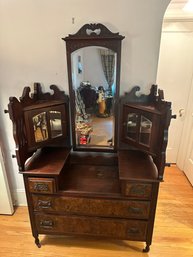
x=94 y=30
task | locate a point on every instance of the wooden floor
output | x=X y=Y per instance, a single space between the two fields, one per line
x=173 y=233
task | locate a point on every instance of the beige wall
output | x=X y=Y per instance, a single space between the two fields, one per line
x=31 y=49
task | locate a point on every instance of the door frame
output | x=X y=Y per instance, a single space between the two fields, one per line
x=183 y=150
x=6 y=205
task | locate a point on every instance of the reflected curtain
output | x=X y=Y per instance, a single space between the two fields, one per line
x=108 y=64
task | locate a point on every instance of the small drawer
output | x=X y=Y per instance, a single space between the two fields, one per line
x=113 y=228
x=137 y=190
x=41 y=185
x=92 y=207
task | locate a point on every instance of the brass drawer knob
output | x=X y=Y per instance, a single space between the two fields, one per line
x=133 y=230
x=135 y=210
x=46 y=223
x=138 y=189
x=43 y=204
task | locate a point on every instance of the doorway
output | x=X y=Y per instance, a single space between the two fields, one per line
x=175 y=73
x=6 y=206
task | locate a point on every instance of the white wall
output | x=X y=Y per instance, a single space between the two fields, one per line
x=31 y=49
x=93 y=70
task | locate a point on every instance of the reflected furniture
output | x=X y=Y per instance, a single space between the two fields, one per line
x=109 y=192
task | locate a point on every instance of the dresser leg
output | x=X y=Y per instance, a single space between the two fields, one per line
x=146 y=249
x=37 y=242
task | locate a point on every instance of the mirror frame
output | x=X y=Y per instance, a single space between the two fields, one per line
x=99 y=35
x=21 y=111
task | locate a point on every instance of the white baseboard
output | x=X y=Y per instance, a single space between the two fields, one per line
x=20 y=198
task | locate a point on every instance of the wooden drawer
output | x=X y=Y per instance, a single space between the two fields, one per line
x=92 y=207
x=137 y=190
x=114 y=228
x=41 y=185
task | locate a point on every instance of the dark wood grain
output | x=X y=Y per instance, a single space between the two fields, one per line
x=136 y=165
x=90 y=179
x=47 y=162
x=105 y=192
x=42 y=185
x=137 y=190
x=92 y=207
x=21 y=112
x=114 y=228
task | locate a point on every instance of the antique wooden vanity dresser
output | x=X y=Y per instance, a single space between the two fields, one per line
x=107 y=183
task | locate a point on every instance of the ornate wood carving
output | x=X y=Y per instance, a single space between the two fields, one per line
x=134 y=96
x=19 y=133
x=38 y=96
x=16 y=113
x=94 y=34
x=100 y=36
x=44 y=204
x=41 y=187
x=94 y=30
x=138 y=190
x=46 y=224
x=46 y=186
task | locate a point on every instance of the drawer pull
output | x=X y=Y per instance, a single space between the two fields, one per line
x=133 y=231
x=100 y=174
x=41 y=187
x=135 y=210
x=46 y=223
x=44 y=204
x=138 y=190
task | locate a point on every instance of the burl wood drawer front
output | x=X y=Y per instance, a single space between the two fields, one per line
x=114 y=228
x=92 y=207
x=41 y=185
x=138 y=190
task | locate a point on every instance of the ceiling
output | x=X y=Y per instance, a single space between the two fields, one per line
x=175 y=10
x=179 y=1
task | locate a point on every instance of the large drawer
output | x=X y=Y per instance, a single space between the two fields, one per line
x=114 y=228
x=92 y=207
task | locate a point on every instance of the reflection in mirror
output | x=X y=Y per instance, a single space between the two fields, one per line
x=40 y=127
x=145 y=130
x=132 y=125
x=55 y=124
x=93 y=80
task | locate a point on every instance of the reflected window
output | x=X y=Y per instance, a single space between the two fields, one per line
x=55 y=124
x=132 y=125
x=40 y=127
x=145 y=130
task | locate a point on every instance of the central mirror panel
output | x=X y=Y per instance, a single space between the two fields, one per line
x=93 y=59
x=94 y=85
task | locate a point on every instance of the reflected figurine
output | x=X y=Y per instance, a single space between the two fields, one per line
x=40 y=123
x=101 y=102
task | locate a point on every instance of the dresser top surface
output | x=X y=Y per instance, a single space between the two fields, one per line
x=47 y=162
